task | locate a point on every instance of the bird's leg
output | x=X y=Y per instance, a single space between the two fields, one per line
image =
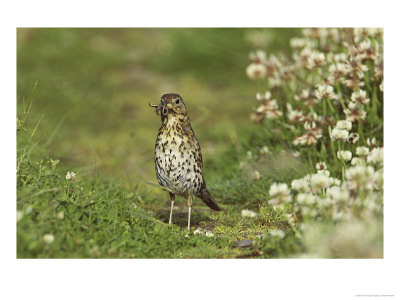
x=190 y=199
x=172 y=197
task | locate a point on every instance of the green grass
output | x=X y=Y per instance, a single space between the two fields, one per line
x=90 y=217
x=95 y=217
x=95 y=85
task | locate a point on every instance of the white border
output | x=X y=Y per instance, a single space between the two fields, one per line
x=197 y=279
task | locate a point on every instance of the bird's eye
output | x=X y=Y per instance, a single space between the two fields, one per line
x=177 y=101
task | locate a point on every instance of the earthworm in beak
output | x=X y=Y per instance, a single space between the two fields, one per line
x=153 y=105
x=161 y=107
x=165 y=110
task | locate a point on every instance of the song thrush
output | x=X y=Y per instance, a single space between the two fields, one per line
x=178 y=160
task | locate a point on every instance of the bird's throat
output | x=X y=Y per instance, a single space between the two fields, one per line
x=172 y=119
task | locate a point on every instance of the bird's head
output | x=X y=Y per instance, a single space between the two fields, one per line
x=171 y=105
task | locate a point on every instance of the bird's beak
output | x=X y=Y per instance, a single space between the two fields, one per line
x=153 y=105
x=169 y=105
x=162 y=107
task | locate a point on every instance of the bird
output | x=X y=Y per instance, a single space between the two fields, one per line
x=177 y=155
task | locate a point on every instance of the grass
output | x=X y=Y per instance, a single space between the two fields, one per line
x=95 y=85
x=87 y=113
x=91 y=217
x=95 y=218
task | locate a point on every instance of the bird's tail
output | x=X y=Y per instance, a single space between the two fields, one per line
x=206 y=197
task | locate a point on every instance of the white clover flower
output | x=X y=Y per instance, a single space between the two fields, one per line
x=353 y=138
x=339 y=134
x=378 y=179
x=324 y=172
x=342 y=216
x=264 y=150
x=275 y=82
x=378 y=69
x=334 y=181
x=314 y=33
x=371 y=142
x=375 y=31
x=321 y=165
x=278 y=233
x=338 y=70
x=274 y=62
x=300 y=185
x=48 y=238
x=366 y=51
x=344 y=124
x=255 y=70
x=307 y=97
x=357 y=161
x=306 y=199
x=362 y=151
x=307 y=178
x=316 y=59
x=309 y=212
x=325 y=202
x=359 y=176
x=360 y=96
x=371 y=205
x=344 y=154
x=248 y=213
x=60 y=215
x=266 y=96
x=277 y=189
x=293 y=114
x=360 y=33
x=338 y=194
x=364 y=45
x=243 y=165
x=296 y=154
x=325 y=92
x=340 y=57
x=258 y=56
x=249 y=155
x=320 y=181
x=198 y=231
x=20 y=214
x=279 y=193
x=272 y=107
x=256 y=175
x=209 y=233
x=355 y=112
x=306 y=139
x=375 y=156
x=269 y=109
x=309 y=125
x=301 y=59
x=355 y=64
x=297 y=43
x=70 y=176
x=261 y=109
x=333 y=34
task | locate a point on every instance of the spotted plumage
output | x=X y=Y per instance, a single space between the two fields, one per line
x=178 y=160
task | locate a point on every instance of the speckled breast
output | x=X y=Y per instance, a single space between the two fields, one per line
x=178 y=161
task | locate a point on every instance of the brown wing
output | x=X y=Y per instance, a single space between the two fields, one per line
x=203 y=193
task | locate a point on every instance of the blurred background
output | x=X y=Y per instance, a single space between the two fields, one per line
x=94 y=86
